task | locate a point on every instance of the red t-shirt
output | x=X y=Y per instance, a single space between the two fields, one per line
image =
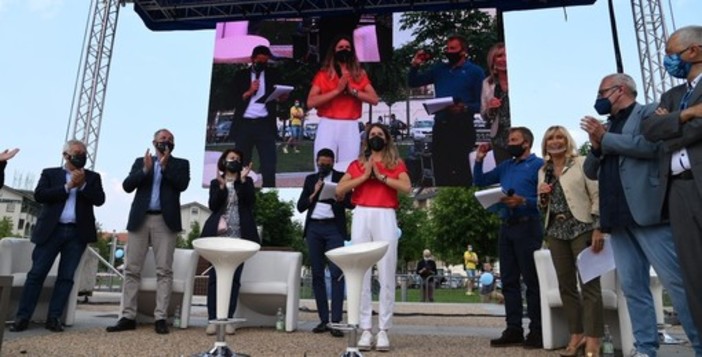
x=343 y=106
x=373 y=192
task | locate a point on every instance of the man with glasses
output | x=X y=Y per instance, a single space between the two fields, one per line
x=626 y=166
x=677 y=123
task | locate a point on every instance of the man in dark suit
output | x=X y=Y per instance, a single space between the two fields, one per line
x=4 y=156
x=325 y=229
x=678 y=124
x=154 y=220
x=66 y=224
x=255 y=121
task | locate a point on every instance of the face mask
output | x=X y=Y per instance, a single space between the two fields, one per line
x=676 y=67
x=78 y=160
x=161 y=146
x=297 y=104
x=470 y=248
x=259 y=67
x=376 y=143
x=233 y=166
x=516 y=150
x=603 y=106
x=556 y=150
x=324 y=170
x=343 y=56
x=453 y=57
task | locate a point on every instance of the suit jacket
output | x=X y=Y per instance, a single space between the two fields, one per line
x=174 y=180
x=580 y=192
x=2 y=173
x=430 y=266
x=51 y=193
x=638 y=167
x=674 y=135
x=241 y=83
x=339 y=208
x=246 y=196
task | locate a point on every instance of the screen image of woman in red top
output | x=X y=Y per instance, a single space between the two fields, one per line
x=376 y=177
x=338 y=90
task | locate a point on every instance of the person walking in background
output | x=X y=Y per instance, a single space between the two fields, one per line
x=470 y=262
x=520 y=235
x=297 y=116
x=676 y=124
x=66 y=224
x=338 y=90
x=453 y=135
x=325 y=229
x=571 y=204
x=630 y=209
x=154 y=220
x=4 y=157
x=231 y=200
x=426 y=269
x=494 y=101
x=376 y=179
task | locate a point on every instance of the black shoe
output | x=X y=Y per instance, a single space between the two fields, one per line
x=54 y=324
x=336 y=332
x=510 y=337
x=533 y=340
x=123 y=324
x=161 y=327
x=322 y=327
x=19 y=325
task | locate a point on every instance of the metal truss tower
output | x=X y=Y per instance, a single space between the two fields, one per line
x=91 y=85
x=651 y=35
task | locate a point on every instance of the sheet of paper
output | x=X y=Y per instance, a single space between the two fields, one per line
x=591 y=265
x=328 y=191
x=278 y=91
x=490 y=196
x=434 y=105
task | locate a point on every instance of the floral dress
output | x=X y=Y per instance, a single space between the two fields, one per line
x=231 y=213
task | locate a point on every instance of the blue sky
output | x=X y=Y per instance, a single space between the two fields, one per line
x=162 y=80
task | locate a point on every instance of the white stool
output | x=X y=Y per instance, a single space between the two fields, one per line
x=354 y=261
x=225 y=254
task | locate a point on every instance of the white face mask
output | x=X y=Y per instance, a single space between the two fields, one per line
x=556 y=150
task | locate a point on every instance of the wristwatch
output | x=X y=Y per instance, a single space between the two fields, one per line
x=354 y=92
x=384 y=178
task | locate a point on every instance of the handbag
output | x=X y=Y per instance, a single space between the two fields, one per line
x=222 y=226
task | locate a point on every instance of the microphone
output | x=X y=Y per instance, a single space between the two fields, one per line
x=548 y=179
x=510 y=192
x=258 y=73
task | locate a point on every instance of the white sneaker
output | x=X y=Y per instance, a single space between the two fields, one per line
x=366 y=341
x=635 y=353
x=211 y=329
x=230 y=329
x=382 y=343
x=285 y=149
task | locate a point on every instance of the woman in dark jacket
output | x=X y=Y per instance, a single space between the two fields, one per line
x=232 y=199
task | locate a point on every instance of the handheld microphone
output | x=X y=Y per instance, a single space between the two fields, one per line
x=548 y=179
x=258 y=73
x=510 y=192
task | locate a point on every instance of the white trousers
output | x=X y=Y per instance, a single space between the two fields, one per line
x=373 y=224
x=342 y=137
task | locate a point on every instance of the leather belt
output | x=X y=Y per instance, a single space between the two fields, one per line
x=519 y=220
x=153 y=212
x=323 y=220
x=685 y=175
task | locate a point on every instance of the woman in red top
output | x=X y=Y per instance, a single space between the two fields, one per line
x=375 y=178
x=338 y=90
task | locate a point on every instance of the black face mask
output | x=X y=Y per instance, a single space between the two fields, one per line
x=161 y=146
x=78 y=160
x=259 y=67
x=376 y=143
x=324 y=170
x=453 y=57
x=516 y=150
x=343 y=56
x=233 y=166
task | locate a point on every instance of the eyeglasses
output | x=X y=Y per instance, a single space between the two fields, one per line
x=601 y=93
x=687 y=49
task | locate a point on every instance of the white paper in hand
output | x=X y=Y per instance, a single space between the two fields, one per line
x=278 y=91
x=591 y=265
x=328 y=191
x=490 y=196
x=437 y=104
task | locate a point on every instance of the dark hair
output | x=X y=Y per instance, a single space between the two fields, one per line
x=353 y=65
x=462 y=40
x=526 y=134
x=326 y=152
x=223 y=158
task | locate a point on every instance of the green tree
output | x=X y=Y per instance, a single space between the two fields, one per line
x=275 y=216
x=410 y=220
x=194 y=233
x=390 y=78
x=6 y=228
x=456 y=219
x=584 y=149
x=103 y=243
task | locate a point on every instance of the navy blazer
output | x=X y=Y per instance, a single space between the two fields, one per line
x=246 y=196
x=339 y=208
x=175 y=179
x=51 y=193
x=242 y=82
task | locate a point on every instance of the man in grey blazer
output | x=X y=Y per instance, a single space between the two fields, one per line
x=677 y=123
x=626 y=165
x=155 y=221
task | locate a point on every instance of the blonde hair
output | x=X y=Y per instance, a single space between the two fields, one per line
x=391 y=157
x=571 y=150
x=492 y=53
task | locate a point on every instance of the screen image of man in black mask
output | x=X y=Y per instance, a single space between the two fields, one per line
x=453 y=134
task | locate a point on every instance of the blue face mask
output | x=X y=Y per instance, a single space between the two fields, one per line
x=675 y=66
x=603 y=106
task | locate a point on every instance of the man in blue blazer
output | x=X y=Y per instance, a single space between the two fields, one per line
x=154 y=220
x=626 y=165
x=65 y=226
x=325 y=229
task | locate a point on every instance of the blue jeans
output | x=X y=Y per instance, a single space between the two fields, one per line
x=322 y=237
x=517 y=243
x=636 y=249
x=64 y=239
